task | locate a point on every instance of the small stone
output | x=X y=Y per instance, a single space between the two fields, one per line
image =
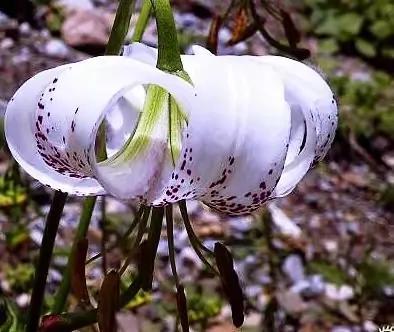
x=370 y=326
x=25 y=29
x=6 y=43
x=284 y=224
x=81 y=4
x=339 y=293
x=293 y=267
x=189 y=264
x=56 y=48
x=84 y=27
x=341 y=329
x=252 y=320
x=23 y=300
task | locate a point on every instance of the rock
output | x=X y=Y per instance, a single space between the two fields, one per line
x=127 y=322
x=310 y=287
x=80 y=4
x=87 y=27
x=3 y=18
x=25 y=29
x=54 y=276
x=253 y=320
x=331 y=246
x=370 y=326
x=253 y=291
x=56 y=48
x=293 y=267
x=6 y=43
x=341 y=329
x=222 y=327
x=284 y=224
x=240 y=225
x=3 y=106
x=189 y=264
x=291 y=302
x=23 y=300
x=339 y=293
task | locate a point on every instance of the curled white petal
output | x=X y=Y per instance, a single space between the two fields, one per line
x=254 y=127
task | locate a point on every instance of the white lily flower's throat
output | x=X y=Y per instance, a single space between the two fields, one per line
x=246 y=131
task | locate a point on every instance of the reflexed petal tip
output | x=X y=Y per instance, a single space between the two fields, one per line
x=247 y=130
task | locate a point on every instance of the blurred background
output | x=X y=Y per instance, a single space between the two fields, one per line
x=318 y=260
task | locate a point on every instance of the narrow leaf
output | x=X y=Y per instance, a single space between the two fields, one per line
x=230 y=283
x=108 y=302
x=78 y=276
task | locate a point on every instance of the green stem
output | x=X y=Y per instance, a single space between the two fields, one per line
x=46 y=250
x=83 y=225
x=142 y=21
x=169 y=58
x=120 y=27
x=118 y=33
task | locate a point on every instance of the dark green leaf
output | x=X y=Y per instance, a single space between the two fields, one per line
x=365 y=47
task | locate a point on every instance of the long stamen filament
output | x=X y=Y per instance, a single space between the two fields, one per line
x=196 y=244
x=141 y=231
x=129 y=231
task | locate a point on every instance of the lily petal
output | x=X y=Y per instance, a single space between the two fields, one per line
x=236 y=142
x=67 y=126
x=20 y=118
x=312 y=104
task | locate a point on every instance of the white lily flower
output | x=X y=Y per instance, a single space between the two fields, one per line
x=254 y=127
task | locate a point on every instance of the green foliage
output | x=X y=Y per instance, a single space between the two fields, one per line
x=10 y=317
x=16 y=235
x=367 y=107
x=11 y=192
x=376 y=275
x=329 y=271
x=387 y=197
x=20 y=277
x=202 y=306
x=369 y=25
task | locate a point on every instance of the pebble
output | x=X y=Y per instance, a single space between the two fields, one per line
x=310 y=287
x=25 y=29
x=23 y=300
x=284 y=224
x=56 y=48
x=81 y=4
x=293 y=268
x=339 y=293
x=6 y=43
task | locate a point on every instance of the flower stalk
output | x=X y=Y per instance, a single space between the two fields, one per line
x=83 y=225
x=44 y=260
x=142 y=21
